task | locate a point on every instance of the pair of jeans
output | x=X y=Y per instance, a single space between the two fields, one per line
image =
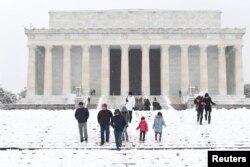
x=83 y=128
x=156 y=134
x=142 y=135
x=208 y=111
x=130 y=114
x=118 y=139
x=125 y=134
x=200 y=114
x=104 y=128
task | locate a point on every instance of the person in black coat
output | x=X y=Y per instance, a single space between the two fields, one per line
x=104 y=118
x=118 y=123
x=147 y=104
x=199 y=102
x=82 y=115
x=156 y=105
x=208 y=108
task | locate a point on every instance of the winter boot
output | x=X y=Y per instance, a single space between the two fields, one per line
x=160 y=138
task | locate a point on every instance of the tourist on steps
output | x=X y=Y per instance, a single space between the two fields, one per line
x=158 y=124
x=130 y=104
x=156 y=105
x=199 y=103
x=125 y=114
x=143 y=127
x=118 y=123
x=208 y=108
x=104 y=118
x=82 y=115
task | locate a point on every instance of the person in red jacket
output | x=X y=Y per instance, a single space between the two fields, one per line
x=143 y=126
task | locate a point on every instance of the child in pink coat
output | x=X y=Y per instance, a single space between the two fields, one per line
x=143 y=126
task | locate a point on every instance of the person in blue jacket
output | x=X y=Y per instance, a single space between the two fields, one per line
x=158 y=124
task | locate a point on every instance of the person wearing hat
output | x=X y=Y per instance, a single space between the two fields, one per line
x=118 y=123
x=125 y=114
x=208 y=107
x=143 y=127
x=104 y=118
x=82 y=115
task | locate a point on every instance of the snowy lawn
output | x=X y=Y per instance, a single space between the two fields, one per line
x=51 y=138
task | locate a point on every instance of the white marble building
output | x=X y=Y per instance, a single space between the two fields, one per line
x=150 y=52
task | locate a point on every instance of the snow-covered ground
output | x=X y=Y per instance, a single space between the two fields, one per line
x=51 y=138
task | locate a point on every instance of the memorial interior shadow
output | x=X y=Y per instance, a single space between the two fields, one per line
x=135 y=71
x=115 y=72
x=155 y=71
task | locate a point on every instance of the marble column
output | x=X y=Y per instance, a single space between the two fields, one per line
x=48 y=71
x=31 y=78
x=105 y=70
x=145 y=71
x=124 y=70
x=203 y=69
x=239 y=70
x=66 y=70
x=164 y=69
x=85 y=69
x=184 y=69
x=222 y=70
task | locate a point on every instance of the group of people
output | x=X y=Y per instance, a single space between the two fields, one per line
x=92 y=92
x=144 y=104
x=203 y=103
x=119 y=121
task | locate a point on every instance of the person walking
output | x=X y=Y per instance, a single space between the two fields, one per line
x=104 y=118
x=158 y=124
x=82 y=115
x=199 y=102
x=130 y=104
x=208 y=107
x=118 y=123
x=125 y=114
x=143 y=126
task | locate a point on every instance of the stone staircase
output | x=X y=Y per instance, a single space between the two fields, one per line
x=93 y=102
x=119 y=101
x=44 y=100
x=166 y=102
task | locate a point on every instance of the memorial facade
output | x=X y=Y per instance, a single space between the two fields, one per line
x=149 y=52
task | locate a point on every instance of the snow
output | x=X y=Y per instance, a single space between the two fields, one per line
x=51 y=138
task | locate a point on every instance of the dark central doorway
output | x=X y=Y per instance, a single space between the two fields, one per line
x=115 y=72
x=135 y=69
x=155 y=71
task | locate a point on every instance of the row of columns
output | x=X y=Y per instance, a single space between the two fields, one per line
x=125 y=70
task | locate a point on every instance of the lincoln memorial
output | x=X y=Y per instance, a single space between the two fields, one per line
x=149 y=52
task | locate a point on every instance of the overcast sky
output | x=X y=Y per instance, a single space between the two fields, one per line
x=17 y=14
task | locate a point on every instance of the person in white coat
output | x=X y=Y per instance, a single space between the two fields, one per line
x=130 y=104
